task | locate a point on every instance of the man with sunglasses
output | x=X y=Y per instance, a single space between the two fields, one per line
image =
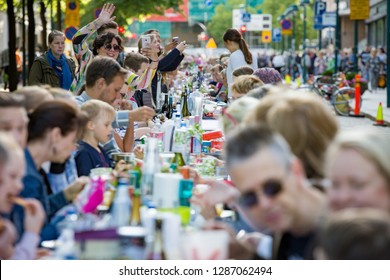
x=275 y=193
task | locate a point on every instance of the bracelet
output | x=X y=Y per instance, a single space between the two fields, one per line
x=154 y=60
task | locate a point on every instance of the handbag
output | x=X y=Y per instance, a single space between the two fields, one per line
x=382 y=80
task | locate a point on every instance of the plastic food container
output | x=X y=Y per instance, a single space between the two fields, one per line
x=210 y=135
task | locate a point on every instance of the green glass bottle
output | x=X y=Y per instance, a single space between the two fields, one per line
x=178 y=159
x=169 y=112
x=185 y=113
x=135 y=219
x=164 y=108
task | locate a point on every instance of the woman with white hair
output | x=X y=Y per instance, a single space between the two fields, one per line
x=358 y=165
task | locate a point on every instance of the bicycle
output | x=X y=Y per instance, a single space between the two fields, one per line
x=335 y=91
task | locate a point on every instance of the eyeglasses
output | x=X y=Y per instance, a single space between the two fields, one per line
x=115 y=47
x=270 y=189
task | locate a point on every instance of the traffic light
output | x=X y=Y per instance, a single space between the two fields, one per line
x=121 y=29
x=243 y=28
x=202 y=37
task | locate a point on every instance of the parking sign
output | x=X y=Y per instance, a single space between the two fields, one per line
x=276 y=34
x=319 y=10
x=246 y=17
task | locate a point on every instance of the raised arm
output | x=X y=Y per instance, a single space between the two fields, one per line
x=80 y=44
x=80 y=39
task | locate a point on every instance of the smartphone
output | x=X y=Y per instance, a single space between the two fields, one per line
x=175 y=39
x=146 y=41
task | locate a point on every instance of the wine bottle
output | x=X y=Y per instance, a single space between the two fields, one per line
x=165 y=106
x=157 y=248
x=135 y=219
x=185 y=113
x=178 y=159
x=170 y=108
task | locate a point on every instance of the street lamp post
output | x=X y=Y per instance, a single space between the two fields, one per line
x=388 y=57
x=355 y=47
x=290 y=12
x=303 y=4
x=279 y=19
x=293 y=9
x=337 y=39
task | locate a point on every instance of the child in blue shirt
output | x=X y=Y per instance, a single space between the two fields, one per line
x=97 y=131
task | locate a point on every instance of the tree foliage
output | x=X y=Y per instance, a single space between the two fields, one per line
x=126 y=10
x=277 y=8
x=222 y=19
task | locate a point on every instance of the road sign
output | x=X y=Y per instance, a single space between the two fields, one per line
x=201 y=10
x=266 y=36
x=97 y=12
x=360 y=9
x=246 y=17
x=329 y=20
x=286 y=24
x=266 y=22
x=318 y=22
x=208 y=3
x=286 y=32
x=257 y=22
x=319 y=8
x=69 y=32
x=72 y=13
x=211 y=44
x=276 y=35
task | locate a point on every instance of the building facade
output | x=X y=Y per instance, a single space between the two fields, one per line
x=377 y=23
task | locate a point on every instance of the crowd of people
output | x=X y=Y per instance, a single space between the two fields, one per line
x=306 y=189
x=371 y=63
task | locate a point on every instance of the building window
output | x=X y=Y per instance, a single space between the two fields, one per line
x=372 y=34
x=385 y=31
x=380 y=33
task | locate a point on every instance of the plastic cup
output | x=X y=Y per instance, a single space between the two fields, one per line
x=205 y=245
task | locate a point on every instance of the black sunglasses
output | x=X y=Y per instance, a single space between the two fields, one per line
x=116 y=48
x=271 y=188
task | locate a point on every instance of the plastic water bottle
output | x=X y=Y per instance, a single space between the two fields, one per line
x=177 y=121
x=178 y=108
x=121 y=210
x=149 y=168
x=181 y=142
x=66 y=249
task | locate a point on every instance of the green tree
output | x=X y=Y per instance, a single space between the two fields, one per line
x=126 y=10
x=222 y=19
x=277 y=8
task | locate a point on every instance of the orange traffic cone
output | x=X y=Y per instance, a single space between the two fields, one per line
x=379 y=116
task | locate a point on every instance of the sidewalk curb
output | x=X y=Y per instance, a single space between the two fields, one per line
x=369 y=116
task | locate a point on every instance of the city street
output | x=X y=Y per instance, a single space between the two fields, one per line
x=183 y=130
x=347 y=123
